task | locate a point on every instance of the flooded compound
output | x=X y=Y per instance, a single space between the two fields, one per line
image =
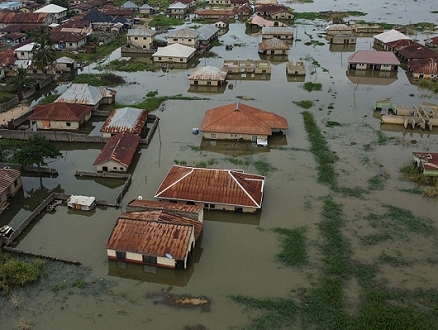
x=239 y=252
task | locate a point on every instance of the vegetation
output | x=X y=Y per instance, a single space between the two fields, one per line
x=154 y=102
x=306 y=104
x=316 y=15
x=49 y=99
x=43 y=54
x=15 y=272
x=128 y=66
x=164 y=21
x=293 y=243
x=35 y=151
x=310 y=86
x=20 y=81
x=101 y=79
x=5 y=97
x=429 y=84
x=321 y=151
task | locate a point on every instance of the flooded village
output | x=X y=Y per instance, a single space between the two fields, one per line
x=267 y=189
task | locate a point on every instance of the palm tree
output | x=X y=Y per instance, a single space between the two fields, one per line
x=43 y=53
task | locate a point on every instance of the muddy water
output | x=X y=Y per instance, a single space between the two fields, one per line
x=237 y=255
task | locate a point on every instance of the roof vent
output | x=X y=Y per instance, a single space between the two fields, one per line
x=237 y=105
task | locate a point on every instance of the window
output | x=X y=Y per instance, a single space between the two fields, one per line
x=254 y=138
x=208 y=83
x=114 y=167
x=160 y=58
x=144 y=38
x=135 y=38
x=149 y=259
x=195 y=82
x=121 y=255
x=190 y=40
x=213 y=136
x=181 y=59
x=144 y=46
x=15 y=183
x=175 y=39
x=68 y=124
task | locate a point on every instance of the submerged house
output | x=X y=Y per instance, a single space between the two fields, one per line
x=126 y=119
x=208 y=76
x=238 y=121
x=426 y=68
x=154 y=238
x=274 y=46
x=175 y=53
x=117 y=153
x=296 y=68
x=79 y=202
x=10 y=184
x=213 y=189
x=58 y=115
x=87 y=95
x=427 y=162
x=280 y=32
x=373 y=60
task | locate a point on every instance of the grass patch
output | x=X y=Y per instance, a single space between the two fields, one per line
x=100 y=79
x=321 y=151
x=164 y=21
x=128 y=66
x=240 y=162
x=409 y=221
x=377 y=182
x=153 y=103
x=5 y=97
x=293 y=246
x=382 y=139
x=393 y=261
x=375 y=239
x=310 y=86
x=263 y=167
x=305 y=104
x=330 y=123
x=412 y=173
x=15 y=272
x=49 y=99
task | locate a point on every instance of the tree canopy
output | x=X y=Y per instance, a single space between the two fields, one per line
x=43 y=54
x=35 y=152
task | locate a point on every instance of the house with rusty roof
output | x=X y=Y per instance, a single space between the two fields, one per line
x=431 y=42
x=185 y=36
x=238 y=121
x=426 y=162
x=274 y=46
x=10 y=183
x=190 y=211
x=424 y=68
x=60 y=116
x=66 y=41
x=117 y=153
x=275 y=11
x=87 y=95
x=222 y=22
x=155 y=238
x=213 y=189
x=373 y=60
x=7 y=62
x=131 y=120
x=17 y=18
x=415 y=51
x=208 y=76
x=175 y=53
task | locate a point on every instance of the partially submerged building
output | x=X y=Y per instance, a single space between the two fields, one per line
x=59 y=115
x=373 y=60
x=427 y=162
x=213 y=189
x=208 y=76
x=10 y=183
x=128 y=119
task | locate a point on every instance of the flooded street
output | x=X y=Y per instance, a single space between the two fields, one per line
x=238 y=252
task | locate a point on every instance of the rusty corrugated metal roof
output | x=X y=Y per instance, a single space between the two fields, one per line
x=119 y=148
x=240 y=118
x=12 y=17
x=273 y=44
x=213 y=186
x=425 y=66
x=208 y=73
x=7 y=177
x=157 y=205
x=416 y=51
x=61 y=111
x=81 y=94
x=127 y=119
x=166 y=217
x=151 y=238
x=65 y=36
x=183 y=33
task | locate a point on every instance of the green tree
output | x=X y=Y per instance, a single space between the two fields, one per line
x=20 y=82
x=35 y=152
x=43 y=53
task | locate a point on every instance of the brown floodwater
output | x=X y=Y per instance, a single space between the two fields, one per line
x=237 y=254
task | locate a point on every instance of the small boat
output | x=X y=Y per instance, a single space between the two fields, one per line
x=52 y=206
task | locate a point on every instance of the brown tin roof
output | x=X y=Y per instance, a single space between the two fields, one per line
x=213 y=186
x=119 y=148
x=208 y=73
x=10 y=17
x=416 y=51
x=7 y=177
x=152 y=238
x=241 y=118
x=61 y=111
x=59 y=36
x=163 y=216
x=273 y=44
x=424 y=65
x=148 y=205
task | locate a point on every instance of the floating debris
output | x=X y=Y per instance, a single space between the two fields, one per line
x=181 y=301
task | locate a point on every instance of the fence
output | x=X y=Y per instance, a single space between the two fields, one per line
x=9 y=104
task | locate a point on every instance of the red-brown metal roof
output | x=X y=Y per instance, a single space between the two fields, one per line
x=424 y=65
x=125 y=120
x=151 y=238
x=157 y=205
x=416 y=51
x=240 y=118
x=162 y=216
x=11 y=17
x=7 y=177
x=213 y=186
x=373 y=57
x=61 y=111
x=59 y=36
x=119 y=148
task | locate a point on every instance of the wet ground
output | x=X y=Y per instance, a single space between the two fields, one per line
x=237 y=254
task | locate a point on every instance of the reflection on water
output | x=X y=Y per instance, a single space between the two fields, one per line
x=416 y=132
x=232 y=148
x=207 y=89
x=342 y=48
x=233 y=217
x=372 y=77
